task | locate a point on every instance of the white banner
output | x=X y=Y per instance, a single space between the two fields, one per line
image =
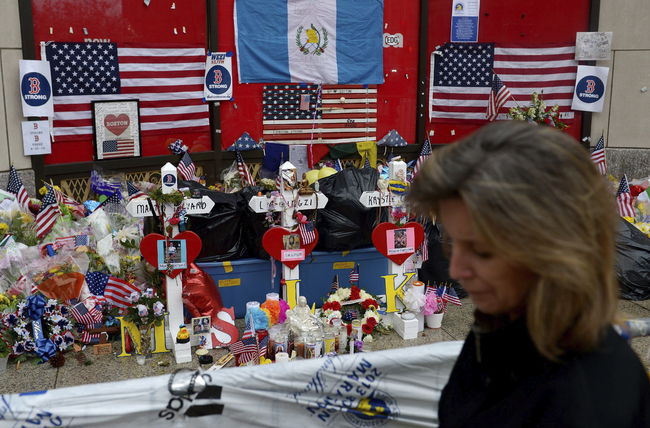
x=217 y=85
x=396 y=388
x=589 y=92
x=36 y=88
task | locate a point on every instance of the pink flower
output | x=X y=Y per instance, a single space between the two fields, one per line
x=143 y=311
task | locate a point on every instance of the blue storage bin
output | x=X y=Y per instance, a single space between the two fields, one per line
x=243 y=280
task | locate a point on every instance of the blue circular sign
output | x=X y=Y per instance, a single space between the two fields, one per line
x=35 y=89
x=218 y=80
x=590 y=89
x=169 y=180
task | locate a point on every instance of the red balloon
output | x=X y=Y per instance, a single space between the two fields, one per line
x=201 y=296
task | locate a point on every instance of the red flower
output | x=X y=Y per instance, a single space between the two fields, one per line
x=372 y=322
x=335 y=306
x=369 y=302
x=367 y=328
x=348 y=327
x=174 y=221
x=326 y=306
x=355 y=293
x=635 y=190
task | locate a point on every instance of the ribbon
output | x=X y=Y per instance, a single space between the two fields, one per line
x=45 y=349
x=35 y=307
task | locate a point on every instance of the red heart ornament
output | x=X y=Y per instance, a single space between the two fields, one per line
x=273 y=243
x=395 y=253
x=117 y=124
x=149 y=248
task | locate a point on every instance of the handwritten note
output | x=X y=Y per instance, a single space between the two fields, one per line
x=593 y=46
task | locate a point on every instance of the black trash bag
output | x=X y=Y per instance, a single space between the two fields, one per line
x=436 y=269
x=222 y=229
x=254 y=226
x=345 y=224
x=632 y=262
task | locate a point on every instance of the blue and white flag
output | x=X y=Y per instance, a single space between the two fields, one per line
x=329 y=41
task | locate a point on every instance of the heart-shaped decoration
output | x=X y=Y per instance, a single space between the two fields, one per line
x=149 y=248
x=117 y=124
x=273 y=243
x=397 y=242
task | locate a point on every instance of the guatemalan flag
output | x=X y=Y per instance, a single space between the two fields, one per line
x=306 y=41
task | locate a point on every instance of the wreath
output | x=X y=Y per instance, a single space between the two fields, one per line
x=352 y=303
x=54 y=320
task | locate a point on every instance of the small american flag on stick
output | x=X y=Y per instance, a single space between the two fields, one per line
x=598 y=155
x=15 y=186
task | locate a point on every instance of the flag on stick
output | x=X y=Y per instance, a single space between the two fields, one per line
x=499 y=95
x=15 y=186
x=186 y=168
x=307 y=232
x=598 y=155
x=354 y=275
x=244 y=173
x=118 y=292
x=335 y=284
x=48 y=213
x=624 y=199
x=424 y=154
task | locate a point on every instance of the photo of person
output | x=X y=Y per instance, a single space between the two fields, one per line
x=200 y=325
x=400 y=241
x=172 y=254
x=291 y=242
x=400 y=238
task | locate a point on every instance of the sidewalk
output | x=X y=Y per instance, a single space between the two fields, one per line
x=110 y=368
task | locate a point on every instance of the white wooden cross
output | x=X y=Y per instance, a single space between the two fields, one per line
x=173 y=286
x=288 y=205
x=385 y=198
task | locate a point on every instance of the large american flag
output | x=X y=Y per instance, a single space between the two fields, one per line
x=48 y=213
x=168 y=82
x=339 y=114
x=624 y=199
x=118 y=149
x=461 y=78
x=15 y=186
x=598 y=155
x=118 y=292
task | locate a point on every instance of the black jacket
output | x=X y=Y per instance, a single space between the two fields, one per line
x=500 y=380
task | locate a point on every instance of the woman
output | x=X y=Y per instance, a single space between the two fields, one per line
x=531 y=225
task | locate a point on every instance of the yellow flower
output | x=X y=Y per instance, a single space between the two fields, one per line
x=312 y=35
x=42 y=190
x=4 y=227
x=53 y=270
x=26 y=218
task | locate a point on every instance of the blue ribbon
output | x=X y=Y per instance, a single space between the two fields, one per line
x=45 y=349
x=35 y=307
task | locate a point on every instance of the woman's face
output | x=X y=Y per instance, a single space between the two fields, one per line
x=496 y=286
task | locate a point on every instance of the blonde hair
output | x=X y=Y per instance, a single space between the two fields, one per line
x=536 y=198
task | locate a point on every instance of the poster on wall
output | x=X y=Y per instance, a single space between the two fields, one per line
x=589 y=92
x=116 y=127
x=36 y=137
x=217 y=85
x=593 y=46
x=36 y=88
x=464 y=20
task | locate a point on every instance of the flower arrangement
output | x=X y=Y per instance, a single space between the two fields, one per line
x=433 y=304
x=146 y=309
x=538 y=112
x=54 y=320
x=352 y=303
x=20 y=225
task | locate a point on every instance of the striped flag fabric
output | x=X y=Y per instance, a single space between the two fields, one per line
x=245 y=350
x=624 y=199
x=72 y=241
x=424 y=248
x=307 y=232
x=425 y=152
x=262 y=347
x=15 y=186
x=168 y=82
x=133 y=191
x=341 y=114
x=598 y=155
x=499 y=95
x=186 y=168
x=462 y=76
x=118 y=149
x=64 y=199
x=354 y=274
x=48 y=213
x=249 y=330
x=449 y=295
x=118 y=291
x=244 y=173
x=335 y=284
x=90 y=318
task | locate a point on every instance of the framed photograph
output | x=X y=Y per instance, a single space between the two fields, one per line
x=400 y=241
x=172 y=254
x=116 y=128
x=201 y=325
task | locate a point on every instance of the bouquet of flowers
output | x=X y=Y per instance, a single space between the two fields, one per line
x=146 y=309
x=538 y=112
x=353 y=303
x=20 y=225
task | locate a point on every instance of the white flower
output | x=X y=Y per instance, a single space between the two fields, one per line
x=135 y=296
x=334 y=298
x=143 y=311
x=333 y=314
x=414 y=300
x=127 y=234
x=148 y=292
x=343 y=293
x=158 y=308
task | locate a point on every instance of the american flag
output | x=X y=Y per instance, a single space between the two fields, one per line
x=90 y=318
x=499 y=95
x=461 y=78
x=449 y=296
x=354 y=274
x=340 y=114
x=249 y=330
x=307 y=232
x=598 y=155
x=624 y=199
x=71 y=241
x=245 y=350
x=168 y=82
x=133 y=191
x=64 y=199
x=244 y=173
x=96 y=284
x=15 y=186
x=118 y=149
x=48 y=214
x=118 y=291
x=335 y=284
x=424 y=248
x=186 y=168
x=425 y=152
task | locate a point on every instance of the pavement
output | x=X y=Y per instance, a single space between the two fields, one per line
x=86 y=368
